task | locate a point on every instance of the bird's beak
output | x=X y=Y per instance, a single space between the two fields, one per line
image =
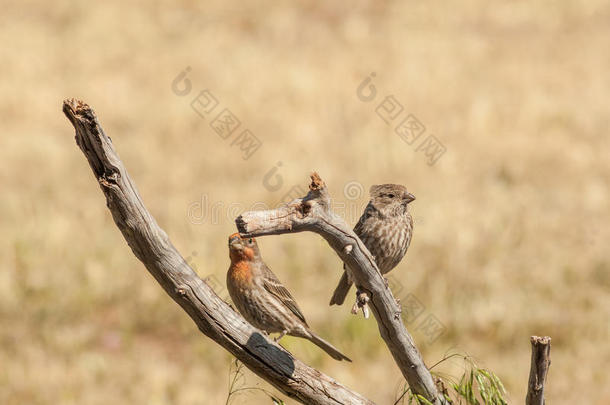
x=235 y=240
x=409 y=197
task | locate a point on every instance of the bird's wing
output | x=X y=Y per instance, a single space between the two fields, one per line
x=369 y=211
x=360 y=224
x=275 y=288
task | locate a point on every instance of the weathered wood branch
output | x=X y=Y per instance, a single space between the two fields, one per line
x=313 y=213
x=541 y=361
x=214 y=317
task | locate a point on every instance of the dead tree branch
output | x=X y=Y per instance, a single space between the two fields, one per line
x=214 y=317
x=541 y=361
x=313 y=213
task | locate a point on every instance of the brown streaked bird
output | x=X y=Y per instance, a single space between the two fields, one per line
x=262 y=299
x=385 y=228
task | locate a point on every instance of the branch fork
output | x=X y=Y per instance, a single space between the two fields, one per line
x=312 y=213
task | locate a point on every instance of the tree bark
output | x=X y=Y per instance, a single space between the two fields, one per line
x=313 y=213
x=541 y=361
x=214 y=317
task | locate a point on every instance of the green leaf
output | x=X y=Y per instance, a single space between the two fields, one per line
x=423 y=400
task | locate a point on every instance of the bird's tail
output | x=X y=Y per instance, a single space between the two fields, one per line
x=327 y=347
x=342 y=289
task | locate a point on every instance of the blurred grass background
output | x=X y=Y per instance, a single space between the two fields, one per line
x=511 y=223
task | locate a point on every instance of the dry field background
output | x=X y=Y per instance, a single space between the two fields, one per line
x=511 y=223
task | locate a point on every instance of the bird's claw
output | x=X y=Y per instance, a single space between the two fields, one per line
x=365 y=311
x=355 y=308
x=362 y=299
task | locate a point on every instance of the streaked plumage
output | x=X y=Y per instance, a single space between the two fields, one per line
x=385 y=228
x=262 y=299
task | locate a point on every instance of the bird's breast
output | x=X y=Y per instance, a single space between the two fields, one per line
x=240 y=273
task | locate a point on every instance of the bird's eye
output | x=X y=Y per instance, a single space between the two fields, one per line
x=391 y=195
x=250 y=240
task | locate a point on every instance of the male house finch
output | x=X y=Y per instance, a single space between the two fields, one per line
x=385 y=228
x=262 y=299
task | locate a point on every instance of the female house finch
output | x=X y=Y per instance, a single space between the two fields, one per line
x=385 y=228
x=262 y=299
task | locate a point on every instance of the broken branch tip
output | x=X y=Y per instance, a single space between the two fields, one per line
x=316 y=182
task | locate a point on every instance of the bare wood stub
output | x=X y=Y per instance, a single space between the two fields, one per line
x=541 y=361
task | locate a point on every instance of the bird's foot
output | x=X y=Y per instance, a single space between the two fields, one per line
x=362 y=299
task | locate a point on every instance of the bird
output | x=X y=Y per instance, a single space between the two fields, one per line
x=263 y=300
x=385 y=228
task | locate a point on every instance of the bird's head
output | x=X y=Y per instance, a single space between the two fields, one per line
x=242 y=248
x=390 y=199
